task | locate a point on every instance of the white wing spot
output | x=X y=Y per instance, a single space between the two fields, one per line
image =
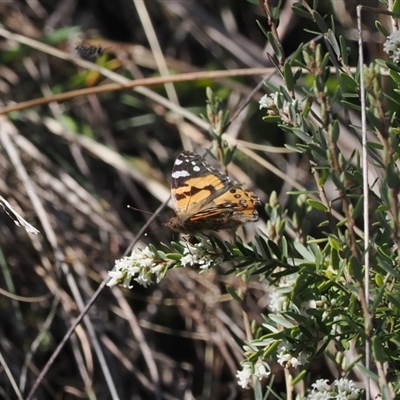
x=180 y=174
x=178 y=161
x=196 y=168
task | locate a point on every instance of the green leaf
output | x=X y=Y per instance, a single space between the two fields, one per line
x=356 y=268
x=368 y=372
x=334 y=43
x=279 y=319
x=272 y=328
x=378 y=298
x=173 y=256
x=233 y=294
x=349 y=81
x=377 y=349
x=266 y=253
x=299 y=377
x=306 y=332
x=258 y=395
x=381 y=28
x=395 y=76
x=350 y=366
x=296 y=149
x=374 y=145
x=389 y=269
x=334 y=242
x=351 y=105
x=320 y=22
x=334 y=131
x=317 y=205
x=302 y=135
x=392 y=176
x=396 y=101
x=394 y=300
x=359 y=208
x=344 y=50
x=295 y=58
x=263 y=30
x=271 y=87
x=275 y=249
x=335 y=259
x=381 y=62
x=289 y=78
x=392 y=66
x=275 y=45
x=300 y=11
x=284 y=246
x=379 y=280
x=396 y=6
x=273 y=119
x=304 y=251
x=321 y=350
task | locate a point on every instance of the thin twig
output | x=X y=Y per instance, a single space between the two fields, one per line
x=72 y=328
x=366 y=197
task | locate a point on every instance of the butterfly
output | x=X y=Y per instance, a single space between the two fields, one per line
x=205 y=199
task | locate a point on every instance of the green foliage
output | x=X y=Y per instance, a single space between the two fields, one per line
x=316 y=277
x=306 y=266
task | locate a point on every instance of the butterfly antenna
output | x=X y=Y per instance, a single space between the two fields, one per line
x=146 y=225
x=138 y=209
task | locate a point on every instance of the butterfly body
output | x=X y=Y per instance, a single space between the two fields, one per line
x=205 y=199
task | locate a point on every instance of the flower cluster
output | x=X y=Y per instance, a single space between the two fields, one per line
x=268 y=101
x=203 y=255
x=287 y=359
x=145 y=266
x=150 y=265
x=343 y=389
x=392 y=45
x=326 y=304
x=279 y=299
x=260 y=370
x=279 y=104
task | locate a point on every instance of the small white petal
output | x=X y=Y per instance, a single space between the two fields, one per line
x=244 y=376
x=116 y=277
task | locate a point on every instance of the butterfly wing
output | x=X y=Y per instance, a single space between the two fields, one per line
x=241 y=201
x=195 y=183
x=206 y=199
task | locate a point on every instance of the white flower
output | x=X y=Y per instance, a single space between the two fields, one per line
x=188 y=259
x=320 y=396
x=260 y=370
x=202 y=254
x=267 y=101
x=321 y=385
x=280 y=297
x=342 y=389
x=277 y=301
x=392 y=45
x=244 y=376
x=295 y=362
x=143 y=266
x=303 y=358
x=116 y=277
x=321 y=390
x=283 y=358
x=284 y=347
x=346 y=389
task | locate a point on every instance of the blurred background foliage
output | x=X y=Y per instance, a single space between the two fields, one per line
x=72 y=167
